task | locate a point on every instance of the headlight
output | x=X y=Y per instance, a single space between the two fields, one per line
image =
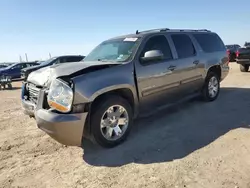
x=60 y=96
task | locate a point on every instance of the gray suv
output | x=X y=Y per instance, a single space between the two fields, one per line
x=121 y=79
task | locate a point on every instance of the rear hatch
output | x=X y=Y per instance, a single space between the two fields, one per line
x=243 y=53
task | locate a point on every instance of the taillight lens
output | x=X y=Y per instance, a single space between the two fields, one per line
x=237 y=54
x=228 y=52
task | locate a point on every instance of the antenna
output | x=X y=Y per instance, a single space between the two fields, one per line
x=26 y=57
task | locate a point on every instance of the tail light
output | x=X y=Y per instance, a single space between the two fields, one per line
x=228 y=52
x=237 y=54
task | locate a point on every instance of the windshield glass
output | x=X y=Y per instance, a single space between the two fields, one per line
x=47 y=61
x=119 y=50
x=229 y=46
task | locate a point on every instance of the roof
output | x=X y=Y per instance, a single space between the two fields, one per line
x=159 y=30
x=69 y=56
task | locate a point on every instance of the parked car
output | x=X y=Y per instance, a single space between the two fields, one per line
x=243 y=57
x=14 y=70
x=3 y=65
x=124 y=78
x=231 y=51
x=51 y=61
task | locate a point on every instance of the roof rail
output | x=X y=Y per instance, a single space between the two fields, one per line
x=160 y=30
x=196 y=30
x=167 y=29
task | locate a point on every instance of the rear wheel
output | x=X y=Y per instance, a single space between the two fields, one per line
x=244 y=68
x=211 y=87
x=111 y=121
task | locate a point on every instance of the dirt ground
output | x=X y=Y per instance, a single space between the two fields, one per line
x=203 y=145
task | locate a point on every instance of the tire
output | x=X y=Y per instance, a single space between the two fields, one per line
x=206 y=94
x=244 y=68
x=99 y=113
x=10 y=86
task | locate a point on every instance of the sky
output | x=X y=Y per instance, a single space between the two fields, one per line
x=59 y=27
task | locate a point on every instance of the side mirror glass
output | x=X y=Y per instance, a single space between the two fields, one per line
x=152 y=55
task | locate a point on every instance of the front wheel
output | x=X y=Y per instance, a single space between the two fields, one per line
x=111 y=121
x=211 y=87
x=244 y=68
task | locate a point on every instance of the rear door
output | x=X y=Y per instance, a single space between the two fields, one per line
x=157 y=81
x=187 y=63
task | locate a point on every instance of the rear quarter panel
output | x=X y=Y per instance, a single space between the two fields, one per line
x=208 y=60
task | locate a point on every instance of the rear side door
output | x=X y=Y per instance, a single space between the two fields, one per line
x=187 y=62
x=157 y=81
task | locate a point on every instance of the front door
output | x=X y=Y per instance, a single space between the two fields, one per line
x=157 y=80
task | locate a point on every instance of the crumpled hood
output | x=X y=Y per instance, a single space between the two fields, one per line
x=44 y=76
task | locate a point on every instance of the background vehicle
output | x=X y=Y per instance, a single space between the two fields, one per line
x=243 y=57
x=4 y=65
x=14 y=70
x=123 y=78
x=231 y=51
x=52 y=61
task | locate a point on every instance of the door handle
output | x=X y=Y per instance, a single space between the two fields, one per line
x=171 y=67
x=196 y=62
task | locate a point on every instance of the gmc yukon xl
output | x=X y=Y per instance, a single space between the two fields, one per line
x=121 y=79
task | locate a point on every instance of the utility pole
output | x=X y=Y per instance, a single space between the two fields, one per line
x=49 y=55
x=20 y=59
x=26 y=57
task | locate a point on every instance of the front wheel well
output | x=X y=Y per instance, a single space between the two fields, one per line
x=216 y=69
x=124 y=93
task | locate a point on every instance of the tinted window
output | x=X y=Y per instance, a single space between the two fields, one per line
x=210 y=42
x=158 y=43
x=230 y=47
x=183 y=45
x=74 y=59
x=19 y=66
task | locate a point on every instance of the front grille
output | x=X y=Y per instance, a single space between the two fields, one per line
x=33 y=92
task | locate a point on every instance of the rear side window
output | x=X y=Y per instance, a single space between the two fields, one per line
x=183 y=45
x=73 y=59
x=209 y=42
x=78 y=58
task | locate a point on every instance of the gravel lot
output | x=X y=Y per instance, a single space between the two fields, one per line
x=193 y=145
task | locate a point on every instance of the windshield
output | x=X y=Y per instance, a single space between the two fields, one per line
x=119 y=50
x=47 y=61
x=229 y=46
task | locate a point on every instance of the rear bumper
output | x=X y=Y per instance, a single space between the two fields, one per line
x=243 y=61
x=67 y=129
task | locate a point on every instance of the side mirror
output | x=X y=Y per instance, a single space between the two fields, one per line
x=152 y=55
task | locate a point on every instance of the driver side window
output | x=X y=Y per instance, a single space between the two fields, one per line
x=158 y=43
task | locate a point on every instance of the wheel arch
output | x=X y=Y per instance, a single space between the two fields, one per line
x=216 y=69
